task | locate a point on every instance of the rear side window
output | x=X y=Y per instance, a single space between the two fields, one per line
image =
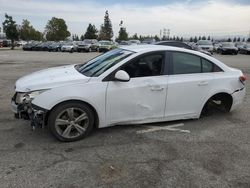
x=208 y=66
x=184 y=63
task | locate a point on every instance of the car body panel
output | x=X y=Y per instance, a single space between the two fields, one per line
x=50 y=78
x=139 y=99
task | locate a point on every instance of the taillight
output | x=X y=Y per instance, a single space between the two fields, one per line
x=243 y=78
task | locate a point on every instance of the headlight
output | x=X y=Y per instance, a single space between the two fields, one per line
x=27 y=97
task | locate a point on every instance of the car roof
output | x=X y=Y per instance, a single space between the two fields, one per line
x=152 y=47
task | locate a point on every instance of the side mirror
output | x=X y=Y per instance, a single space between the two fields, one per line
x=122 y=76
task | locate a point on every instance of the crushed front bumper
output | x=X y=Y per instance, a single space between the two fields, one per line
x=28 y=111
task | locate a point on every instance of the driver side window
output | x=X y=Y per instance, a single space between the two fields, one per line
x=144 y=66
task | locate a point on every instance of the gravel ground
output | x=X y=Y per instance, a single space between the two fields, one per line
x=215 y=153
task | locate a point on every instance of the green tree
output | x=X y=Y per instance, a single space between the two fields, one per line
x=135 y=37
x=243 y=40
x=199 y=38
x=229 y=40
x=27 y=32
x=181 y=39
x=248 y=40
x=82 y=38
x=195 y=39
x=191 y=39
x=234 y=39
x=156 y=38
x=238 y=40
x=56 y=29
x=203 y=38
x=123 y=35
x=106 y=31
x=208 y=38
x=91 y=32
x=10 y=28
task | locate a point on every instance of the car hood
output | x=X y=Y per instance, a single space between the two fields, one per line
x=50 y=78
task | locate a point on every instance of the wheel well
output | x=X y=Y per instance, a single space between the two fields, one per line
x=96 y=123
x=225 y=99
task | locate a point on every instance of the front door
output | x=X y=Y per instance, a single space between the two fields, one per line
x=143 y=97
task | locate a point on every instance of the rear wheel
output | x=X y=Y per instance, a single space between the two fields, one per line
x=220 y=102
x=71 y=121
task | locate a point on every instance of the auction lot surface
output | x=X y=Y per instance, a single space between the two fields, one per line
x=215 y=153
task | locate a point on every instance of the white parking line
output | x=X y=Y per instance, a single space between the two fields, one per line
x=167 y=128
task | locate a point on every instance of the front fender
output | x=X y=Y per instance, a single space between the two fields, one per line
x=91 y=93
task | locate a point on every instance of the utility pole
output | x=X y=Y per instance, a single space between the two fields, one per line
x=168 y=34
x=164 y=33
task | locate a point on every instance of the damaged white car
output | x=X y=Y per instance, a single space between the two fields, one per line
x=128 y=85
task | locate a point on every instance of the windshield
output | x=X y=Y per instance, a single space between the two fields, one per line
x=228 y=44
x=100 y=64
x=204 y=42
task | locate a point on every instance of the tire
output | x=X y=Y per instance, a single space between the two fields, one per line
x=66 y=115
x=71 y=51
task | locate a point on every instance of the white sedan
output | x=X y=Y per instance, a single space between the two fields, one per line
x=128 y=85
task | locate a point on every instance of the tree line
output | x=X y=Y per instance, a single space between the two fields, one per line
x=57 y=30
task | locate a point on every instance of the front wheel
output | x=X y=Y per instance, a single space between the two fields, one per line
x=71 y=121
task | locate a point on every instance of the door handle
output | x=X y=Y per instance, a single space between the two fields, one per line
x=203 y=83
x=155 y=88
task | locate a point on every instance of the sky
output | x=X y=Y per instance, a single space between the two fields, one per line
x=146 y=17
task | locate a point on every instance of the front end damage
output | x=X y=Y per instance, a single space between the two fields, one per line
x=24 y=109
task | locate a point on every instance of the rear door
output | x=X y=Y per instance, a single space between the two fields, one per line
x=190 y=81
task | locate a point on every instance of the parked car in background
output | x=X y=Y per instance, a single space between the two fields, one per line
x=134 y=42
x=206 y=45
x=44 y=46
x=216 y=46
x=55 y=47
x=227 y=48
x=128 y=85
x=124 y=43
x=182 y=45
x=88 y=45
x=240 y=45
x=6 y=43
x=30 y=46
x=245 y=49
x=21 y=43
x=105 y=45
x=69 y=47
x=148 y=41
